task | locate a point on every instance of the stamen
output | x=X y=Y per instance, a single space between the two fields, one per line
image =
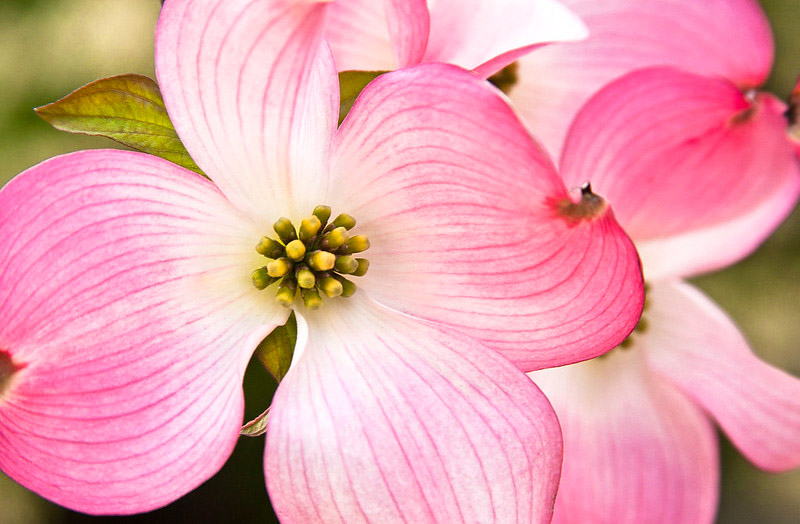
x=363 y=266
x=280 y=267
x=348 y=288
x=346 y=264
x=357 y=244
x=334 y=239
x=296 y=250
x=285 y=230
x=321 y=260
x=309 y=228
x=287 y=292
x=330 y=286
x=261 y=278
x=310 y=260
x=345 y=221
x=323 y=213
x=311 y=299
x=269 y=248
x=305 y=278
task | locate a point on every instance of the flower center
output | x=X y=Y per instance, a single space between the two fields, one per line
x=310 y=259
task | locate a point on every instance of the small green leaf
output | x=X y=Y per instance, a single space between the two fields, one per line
x=351 y=83
x=275 y=352
x=127 y=109
x=256 y=427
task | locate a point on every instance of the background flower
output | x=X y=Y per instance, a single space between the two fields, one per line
x=52 y=47
x=700 y=174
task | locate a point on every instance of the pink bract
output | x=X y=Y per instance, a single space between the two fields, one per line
x=699 y=173
x=129 y=315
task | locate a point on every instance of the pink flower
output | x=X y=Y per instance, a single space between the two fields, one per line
x=699 y=173
x=484 y=35
x=130 y=308
x=727 y=38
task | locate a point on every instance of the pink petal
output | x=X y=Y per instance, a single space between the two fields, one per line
x=377 y=35
x=694 y=344
x=727 y=38
x=635 y=449
x=461 y=209
x=681 y=156
x=389 y=419
x=254 y=97
x=125 y=301
x=489 y=34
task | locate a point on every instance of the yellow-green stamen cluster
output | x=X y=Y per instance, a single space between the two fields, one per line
x=311 y=259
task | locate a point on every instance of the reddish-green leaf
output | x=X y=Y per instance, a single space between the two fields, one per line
x=257 y=426
x=275 y=352
x=127 y=109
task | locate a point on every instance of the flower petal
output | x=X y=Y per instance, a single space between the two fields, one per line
x=386 y=418
x=254 y=97
x=460 y=206
x=127 y=311
x=489 y=34
x=635 y=449
x=727 y=38
x=694 y=344
x=377 y=35
x=682 y=156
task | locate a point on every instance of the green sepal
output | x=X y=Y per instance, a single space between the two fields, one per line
x=351 y=83
x=275 y=352
x=256 y=427
x=127 y=109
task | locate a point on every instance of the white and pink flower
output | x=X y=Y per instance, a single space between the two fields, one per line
x=699 y=173
x=129 y=314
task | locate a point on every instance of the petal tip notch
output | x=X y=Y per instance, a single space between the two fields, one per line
x=589 y=207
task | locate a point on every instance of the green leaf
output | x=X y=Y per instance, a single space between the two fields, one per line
x=351 y=83
x=127 y=109
x=275 y=352
x=257 y=426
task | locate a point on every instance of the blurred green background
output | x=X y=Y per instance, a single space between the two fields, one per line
x=50 y=47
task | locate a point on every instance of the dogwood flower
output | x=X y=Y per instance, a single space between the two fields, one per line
x=133 y=292
x=483 y=35
x=699 y=174
x=550 y=85
x=727 y=38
